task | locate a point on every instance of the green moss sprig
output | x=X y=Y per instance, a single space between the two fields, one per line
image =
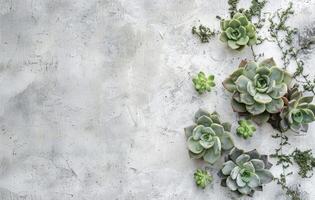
x=203 y=83
x=306 y=162
x=202 y=178
x=204 y=33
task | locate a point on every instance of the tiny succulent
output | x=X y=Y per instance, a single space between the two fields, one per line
x=245 y=172
x=245 y=129
x=204 y=33
x=203 y=83
x=238 y=32
x=208 y=137
x=298 y=111
x=202 y=178
x=258 y=89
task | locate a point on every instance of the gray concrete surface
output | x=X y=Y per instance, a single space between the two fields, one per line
x=95 y=94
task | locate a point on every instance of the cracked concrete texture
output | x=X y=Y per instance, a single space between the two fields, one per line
x=95 y=95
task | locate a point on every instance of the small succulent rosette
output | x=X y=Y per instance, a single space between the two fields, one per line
x=203 y=83
x=258 y=89
x=202 y=178
x=238 y=32
x=297 y=113
x=208 y=137
x=246 y=129
x=245 y=172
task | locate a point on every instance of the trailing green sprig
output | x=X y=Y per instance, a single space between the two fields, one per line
x=202 y=178
x=203 y=83
x=306 y=162
x=204 y=33
x=245 y=129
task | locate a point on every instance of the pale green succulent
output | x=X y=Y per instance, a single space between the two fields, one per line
x=258 y=89
x=238 y=32
x=202 y=178
x=208 y=137
x=245 y=129
x=203 y=83
x=245 y=172
x=298 y=111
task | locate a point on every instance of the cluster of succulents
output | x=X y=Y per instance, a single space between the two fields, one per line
x=202 y=178
x=208 y=137
x=258 y=89
x=203 y=83
x=297 y=113
x=245 y=129
x=245 y=172
x=238 y=32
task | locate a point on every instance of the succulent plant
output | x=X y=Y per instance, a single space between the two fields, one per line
x=203 y=83
x=208 y=137
x=245 y=129
x=202 y=178
x=245 y=172
x=258 y=89
x=238 y=32
x=298 y=111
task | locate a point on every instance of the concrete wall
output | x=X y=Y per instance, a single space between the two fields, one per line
x=95 y=94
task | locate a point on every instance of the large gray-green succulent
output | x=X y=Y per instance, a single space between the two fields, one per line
x=298 y=111
x=238 y=32
x=208 y=137
x=245 y=172
x=258 y=89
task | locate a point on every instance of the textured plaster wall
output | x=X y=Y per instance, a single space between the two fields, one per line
x=94 y=96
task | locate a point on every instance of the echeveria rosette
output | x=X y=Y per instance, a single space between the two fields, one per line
x=202 y=178
x=203 y=83
x=298 y=111
x=245 y=129
x=238 y=32
x=258 y=89
x=208 y=137
x=245 y=172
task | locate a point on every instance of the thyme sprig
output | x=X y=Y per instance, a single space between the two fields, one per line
x=284 y=37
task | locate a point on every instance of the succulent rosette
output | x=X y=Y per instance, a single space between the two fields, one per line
x=245 y=129
x=208 y=137
x=298 y=111
x=238 y=32
x=258 y=89
x=202 y=178
x=245 y=172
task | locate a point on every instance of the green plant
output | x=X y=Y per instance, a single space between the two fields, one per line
x=258 y=89
x=202 y=178
x=245 y=129
x=203 y=83
x=245 y=172
x=305 y=161
x=298 y=111
x=208 y=137
x=204 y=33
x=238 y=32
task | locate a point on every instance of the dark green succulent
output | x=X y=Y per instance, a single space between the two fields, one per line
x=203 y=83
x=202 y=178
x=298 y=111
x=245 y=172
x=258 y=89
x=245 y=129
x=208 y=137
x=238 y=32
